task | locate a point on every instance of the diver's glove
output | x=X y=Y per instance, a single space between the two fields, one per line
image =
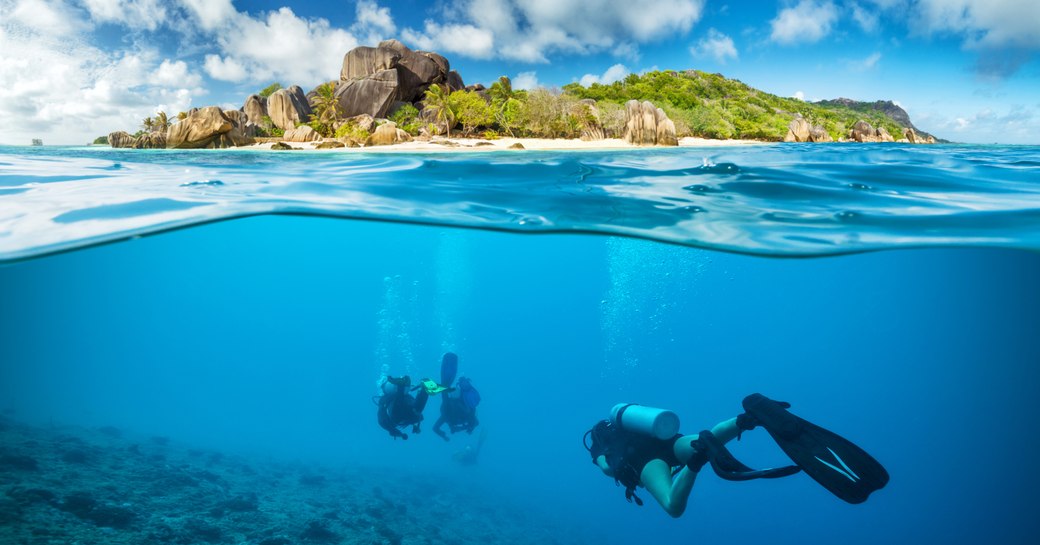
x=699 y=458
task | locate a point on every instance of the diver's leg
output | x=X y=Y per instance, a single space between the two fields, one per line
x=723 y=431
x=671 y=494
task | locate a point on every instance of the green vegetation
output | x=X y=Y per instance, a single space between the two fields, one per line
x=101 y=141
x=407 y=119
x=352 y=131
x=326 y=110
x=438 y=103
x=270 y=89
x=712 y=106
x=471 y=110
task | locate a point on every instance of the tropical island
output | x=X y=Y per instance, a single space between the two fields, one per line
x=392 y=95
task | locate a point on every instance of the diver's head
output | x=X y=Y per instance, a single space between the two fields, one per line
x=389 y=388
x=449 y=358
x=464 y=383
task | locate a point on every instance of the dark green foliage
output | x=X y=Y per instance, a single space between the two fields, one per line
x=101 y=140
x=269 y=89
x=713 y=106
x=326 y=110
x=407 y=119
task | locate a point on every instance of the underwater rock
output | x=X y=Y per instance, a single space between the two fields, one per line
x=200 y=530
x=318 y=532
x=312 y=480
x=74 y=457
x=277 y=146
x=18 y=462
x=84 y=506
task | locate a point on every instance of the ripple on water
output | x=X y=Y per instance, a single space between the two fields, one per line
x=766 y=200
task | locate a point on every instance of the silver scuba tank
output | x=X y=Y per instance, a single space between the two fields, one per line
x=659 y=423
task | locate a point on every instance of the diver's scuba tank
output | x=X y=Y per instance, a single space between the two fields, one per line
x=659 y=423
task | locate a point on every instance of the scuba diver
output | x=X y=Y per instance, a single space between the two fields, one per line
x=398 y=408
x=459 y=404
x=469 y=455
x=640 y=447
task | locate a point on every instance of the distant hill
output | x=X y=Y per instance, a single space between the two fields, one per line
x=714 y=106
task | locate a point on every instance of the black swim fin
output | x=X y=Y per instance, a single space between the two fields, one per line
x=840 y=466
x=712 y=450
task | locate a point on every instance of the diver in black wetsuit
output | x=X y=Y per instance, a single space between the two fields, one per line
x=458 y=409
x=398 y=408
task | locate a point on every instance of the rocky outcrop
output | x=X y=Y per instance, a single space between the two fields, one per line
x=364 y=61
x=819 y=134
x=646 y=125
x=287 y=107
x=588 y=115
x=454 y=81
x=798 y=130
x=255 y=109
x=330 y=144
x=153 y=140
x=416 y=70
x=387 y=134
x=303 y=133
x=882 y=135
x=372 y=95
x=862 y=132
x=121 y=139
x=208 y=128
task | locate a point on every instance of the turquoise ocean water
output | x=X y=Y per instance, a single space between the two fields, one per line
x=889 y=292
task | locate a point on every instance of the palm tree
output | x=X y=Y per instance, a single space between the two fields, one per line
x=501 y=91
x=326 y=109
x=148 y=124
x=161 y=123
x=438 y=101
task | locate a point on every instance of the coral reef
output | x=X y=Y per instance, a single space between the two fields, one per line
x=75 y=485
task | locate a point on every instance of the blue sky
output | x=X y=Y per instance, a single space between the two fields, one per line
x=966 y=70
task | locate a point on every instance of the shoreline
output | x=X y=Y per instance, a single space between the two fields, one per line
x=441 y=145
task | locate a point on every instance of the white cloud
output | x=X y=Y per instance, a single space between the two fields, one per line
x=985 y=23
x=280 y=46
x=529 y=31
x=378 y=19
x=865 y=17
x=135 y=14
x=1017 y=125
x=465 y=40
x=807 y=22
x=175 y=74
x=715 y=45
x=59 y=87
x=800 y=95
x=48 y=17
x=526 y=81
x=211 y=14
x=225 y=69
x=866 y=64
x=614 y=73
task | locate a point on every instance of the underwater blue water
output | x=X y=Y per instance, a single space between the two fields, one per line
x=266 y=335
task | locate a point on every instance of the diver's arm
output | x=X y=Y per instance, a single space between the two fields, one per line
x=601 y=461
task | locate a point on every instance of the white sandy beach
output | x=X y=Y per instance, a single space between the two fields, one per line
x=441 y=144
